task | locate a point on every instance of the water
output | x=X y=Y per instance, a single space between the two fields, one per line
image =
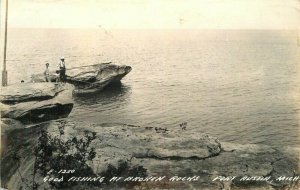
x=240 y=86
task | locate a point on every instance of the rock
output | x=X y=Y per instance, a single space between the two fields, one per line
x=184 y=154
x=15 y=139
x=181 y=153
x=25 y=92
x=36 y=102
x=90 y=78
x=124 y=142
x=8 y=126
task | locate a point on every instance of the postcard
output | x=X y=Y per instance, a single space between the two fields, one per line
x=150 y=94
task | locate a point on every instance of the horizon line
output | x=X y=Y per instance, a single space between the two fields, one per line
x=102 y=28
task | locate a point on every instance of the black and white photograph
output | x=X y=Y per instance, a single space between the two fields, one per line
x=150 y=94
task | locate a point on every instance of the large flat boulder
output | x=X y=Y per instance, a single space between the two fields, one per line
x=36 y=102
x=95 y=72
x=90 y=78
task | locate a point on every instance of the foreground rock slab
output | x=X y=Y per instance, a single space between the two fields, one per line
x=176 y=153
x=182 y=153
x=91 y=78
x=36 y=102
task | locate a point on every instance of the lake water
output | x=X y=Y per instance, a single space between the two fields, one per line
x=240 y=86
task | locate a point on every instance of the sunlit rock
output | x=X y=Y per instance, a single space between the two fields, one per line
x=36 y=102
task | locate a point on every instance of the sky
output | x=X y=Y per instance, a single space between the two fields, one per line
x=154 y=14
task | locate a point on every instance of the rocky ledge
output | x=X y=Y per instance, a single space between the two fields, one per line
x=36 y=102
x=90 y=78
x=181 y=153
x=204 y=161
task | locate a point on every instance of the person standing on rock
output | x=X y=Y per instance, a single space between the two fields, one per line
x=62 y=70
x=47 y=73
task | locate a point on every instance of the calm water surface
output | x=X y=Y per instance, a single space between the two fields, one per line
x=240 y=86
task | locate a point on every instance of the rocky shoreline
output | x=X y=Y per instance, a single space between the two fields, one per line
x=174 y=158
x=204 y=160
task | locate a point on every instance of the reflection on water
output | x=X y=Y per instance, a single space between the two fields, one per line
x=112 y=93
x=113 y=97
